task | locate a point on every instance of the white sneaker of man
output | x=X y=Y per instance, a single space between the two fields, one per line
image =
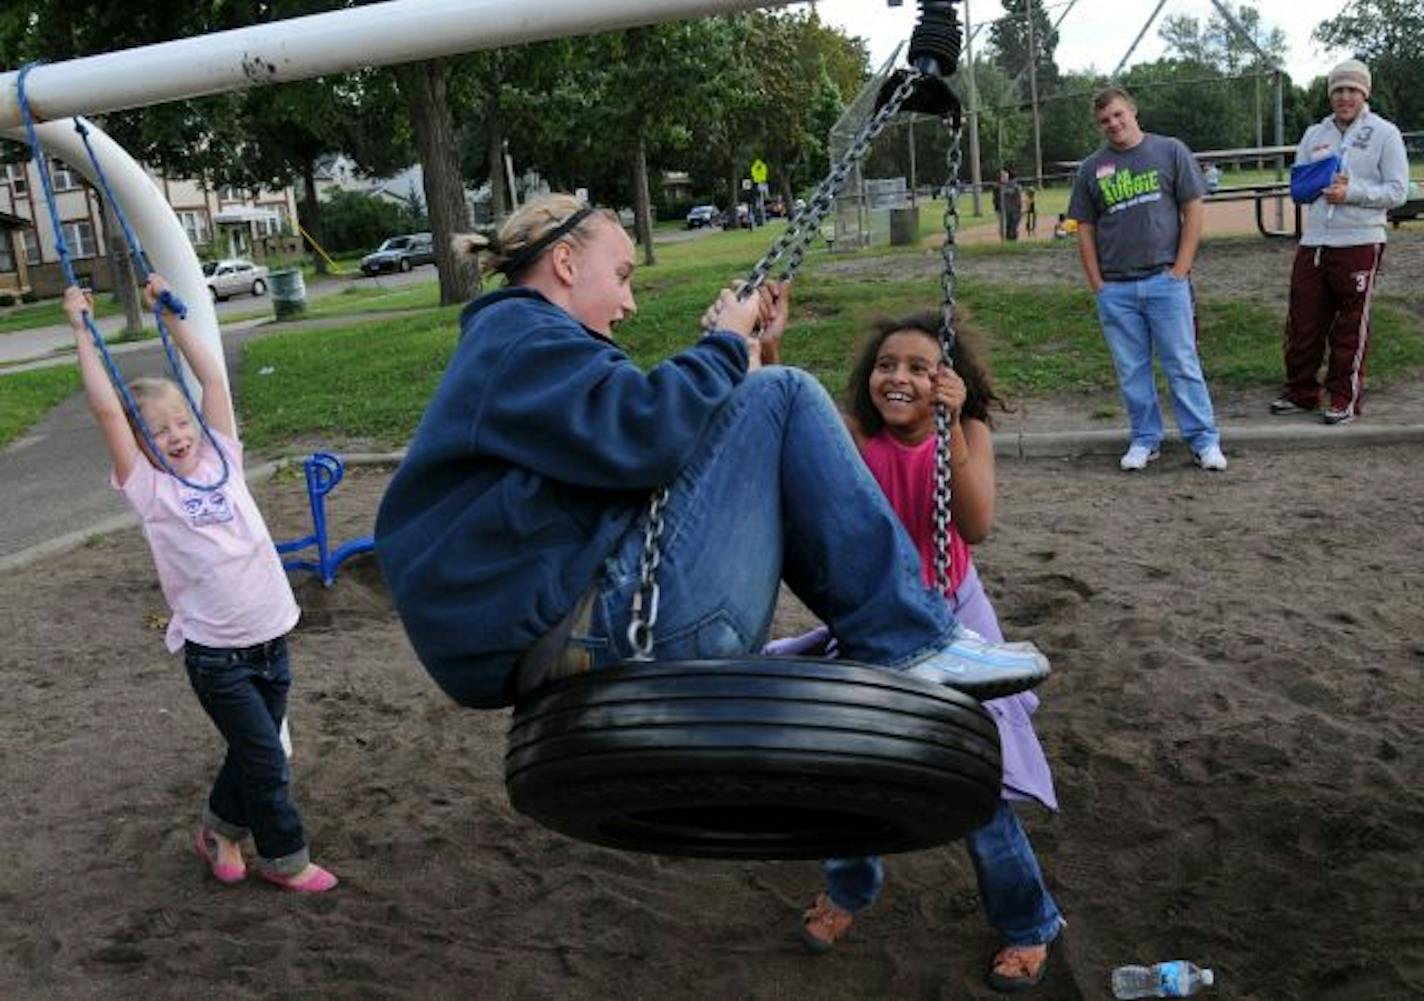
x=1137 y=457
x=1210 y=458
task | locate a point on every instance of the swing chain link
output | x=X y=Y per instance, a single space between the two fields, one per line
x=806 y=226
x=645 y=599
x=942 y=495
x=793 y=244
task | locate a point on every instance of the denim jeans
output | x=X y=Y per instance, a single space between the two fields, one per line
x=776 y=490
x=1155 y=315
x=244 y=693
x=1016 y=901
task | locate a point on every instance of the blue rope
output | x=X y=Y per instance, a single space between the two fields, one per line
x=167 y=300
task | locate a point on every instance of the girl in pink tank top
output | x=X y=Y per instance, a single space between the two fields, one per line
x=895 y=385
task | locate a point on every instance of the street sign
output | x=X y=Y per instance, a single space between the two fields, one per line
x=759 y=170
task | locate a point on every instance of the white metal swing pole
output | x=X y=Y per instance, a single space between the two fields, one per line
x=380 y=34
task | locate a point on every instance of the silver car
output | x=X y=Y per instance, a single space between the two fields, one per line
x=235 y=276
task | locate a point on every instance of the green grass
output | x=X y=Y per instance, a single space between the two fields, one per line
x=48 y=314
x=372 y=380
x=368 y=380
x=25 y=397
x=373 y=299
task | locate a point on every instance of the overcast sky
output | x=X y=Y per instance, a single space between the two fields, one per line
x=1096 y=33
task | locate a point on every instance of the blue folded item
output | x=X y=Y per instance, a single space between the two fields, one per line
x=1308 y=180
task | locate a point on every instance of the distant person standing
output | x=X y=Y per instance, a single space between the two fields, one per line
x=1138 y=203
x=1211 y=173
x=1030 y=213
x=1008 y=203
x=1333 y=276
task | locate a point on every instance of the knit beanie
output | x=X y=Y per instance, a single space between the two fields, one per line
x=1350 y=73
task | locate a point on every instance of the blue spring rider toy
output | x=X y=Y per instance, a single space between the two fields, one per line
x=324 y=472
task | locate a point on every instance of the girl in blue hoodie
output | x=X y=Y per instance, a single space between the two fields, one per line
x=512 y=533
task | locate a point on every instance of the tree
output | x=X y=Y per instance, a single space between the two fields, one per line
x=286 y=130
x=1009 y=37
x=1389 y=36
x=357 y=221
x=1004 y=125
x=1217 y=44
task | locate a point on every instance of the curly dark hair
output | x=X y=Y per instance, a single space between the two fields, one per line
x=966 y=357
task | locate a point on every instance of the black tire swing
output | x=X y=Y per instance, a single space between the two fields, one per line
x=771 y=757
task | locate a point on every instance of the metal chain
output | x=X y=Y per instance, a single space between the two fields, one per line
x=806 y=226
x=946 y=343
x=645 y=599
x=791 y=244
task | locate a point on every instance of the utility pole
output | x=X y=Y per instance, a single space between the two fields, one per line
x=976 y=178
x=1033 y=97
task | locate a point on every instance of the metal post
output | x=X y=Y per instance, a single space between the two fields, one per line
x=913 y=200
x=299 y=48
x=1280 y=141
x=976 y=178
x=1033 y=97
x=1138 y=40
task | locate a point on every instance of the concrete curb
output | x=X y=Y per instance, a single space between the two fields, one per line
x=1007 y=445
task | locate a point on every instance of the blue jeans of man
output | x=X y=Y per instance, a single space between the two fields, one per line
x=1016 y=901
x=1155 y=315
x=244 y=693
x=776 y=490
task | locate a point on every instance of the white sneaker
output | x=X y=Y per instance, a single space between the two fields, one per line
x=1211 y=458
x=1137 y=457
x=984 y=670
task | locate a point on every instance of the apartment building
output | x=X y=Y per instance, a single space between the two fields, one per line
x=220 y=222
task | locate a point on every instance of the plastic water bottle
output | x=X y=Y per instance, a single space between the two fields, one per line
x=1176 y=979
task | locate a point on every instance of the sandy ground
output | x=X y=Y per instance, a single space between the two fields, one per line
x=1235 y=725
x=1232 y=264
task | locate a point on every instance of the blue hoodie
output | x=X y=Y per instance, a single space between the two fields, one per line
x=534 y=457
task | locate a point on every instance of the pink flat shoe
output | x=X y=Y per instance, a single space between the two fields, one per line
x=226 y=873
x=317 y=880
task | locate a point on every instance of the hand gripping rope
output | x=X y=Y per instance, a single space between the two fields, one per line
x=934 y=49
x=167 y=301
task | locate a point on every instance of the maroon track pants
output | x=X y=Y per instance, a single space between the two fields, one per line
x=1329 y=320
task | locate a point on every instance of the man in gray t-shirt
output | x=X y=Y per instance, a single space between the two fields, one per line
x=1138 y=203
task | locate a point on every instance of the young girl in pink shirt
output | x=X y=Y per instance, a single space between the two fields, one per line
x=894 y=387
x=223 y=580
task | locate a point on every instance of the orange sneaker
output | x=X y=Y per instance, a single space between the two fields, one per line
x=823 y=923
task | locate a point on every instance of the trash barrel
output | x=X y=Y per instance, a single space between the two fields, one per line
x=904 y=227
x=289 y=293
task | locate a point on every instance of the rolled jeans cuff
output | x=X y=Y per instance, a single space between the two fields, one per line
x=215 y=823
x=287 y=865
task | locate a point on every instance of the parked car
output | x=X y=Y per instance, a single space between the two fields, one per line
x=743 y=218
x=400 y=253
x=702 y=215
x=234 y=276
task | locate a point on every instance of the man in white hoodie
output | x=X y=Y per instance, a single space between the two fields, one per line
x=1333 y=276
